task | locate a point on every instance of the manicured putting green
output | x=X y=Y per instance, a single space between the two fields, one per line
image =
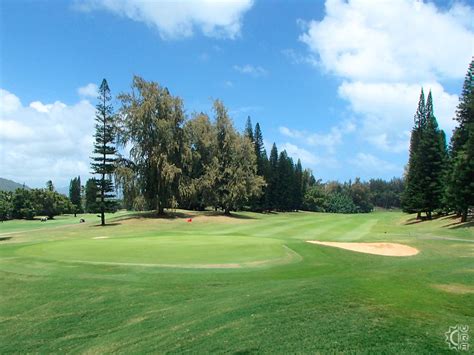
x=186 y=251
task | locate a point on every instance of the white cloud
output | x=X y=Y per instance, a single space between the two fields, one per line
x=395 y=40
x=41 y=141
x=385 y=51
x=8 y=102
x=306 y=157
x=328 y=140
x=178 y=19
x=369 y=163
x=90 y=90
x=388 y=110
x=255 y=71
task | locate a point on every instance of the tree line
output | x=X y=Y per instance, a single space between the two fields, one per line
x=440 y=178
x=168 y=161
x=27 y=203
x=157 y=157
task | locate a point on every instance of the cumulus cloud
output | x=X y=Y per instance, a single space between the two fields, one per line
x=388 y=109
x=384 y=52
x=369 y=163
x=41 y=141
x=395 y=40
x=328 y=140
x=89 y=90
x=252 y=70
x=306 y=157
x=8 y=102
x=178 y=19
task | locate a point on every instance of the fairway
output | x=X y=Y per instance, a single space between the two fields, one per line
x=248 y=283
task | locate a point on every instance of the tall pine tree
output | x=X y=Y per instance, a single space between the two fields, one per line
x=75 y=194
x=248 y=129
x=259 y=203
x=412 y=196
x=460 y=190
x=272 y=181
x=103 y=160
x=432 y=159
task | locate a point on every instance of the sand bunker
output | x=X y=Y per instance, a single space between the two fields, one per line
x=386 y=249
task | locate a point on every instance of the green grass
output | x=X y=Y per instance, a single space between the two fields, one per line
x=248 y=284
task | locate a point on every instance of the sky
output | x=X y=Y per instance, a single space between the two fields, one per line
x=335 y=83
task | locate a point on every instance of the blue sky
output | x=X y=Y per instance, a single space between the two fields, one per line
x=334 y=83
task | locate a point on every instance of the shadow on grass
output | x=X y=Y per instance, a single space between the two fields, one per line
x=458 y=224
x=112 y=224
x=414 y=220
x=2 y=239
x=171 y=215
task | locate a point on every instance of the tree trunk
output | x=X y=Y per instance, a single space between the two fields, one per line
x=464 y=216
x=418 y=215
x=161 y=208
x=227 y=211
x=428 y=215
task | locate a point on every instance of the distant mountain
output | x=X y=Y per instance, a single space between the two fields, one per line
x=9 y=185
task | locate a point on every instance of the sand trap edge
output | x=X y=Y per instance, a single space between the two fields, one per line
x=384 y=249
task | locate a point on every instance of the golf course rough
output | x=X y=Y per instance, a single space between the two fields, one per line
x=247 y=284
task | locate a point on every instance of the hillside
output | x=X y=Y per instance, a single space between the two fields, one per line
x=9 y=185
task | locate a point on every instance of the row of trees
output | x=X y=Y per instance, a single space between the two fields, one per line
x=353 y=197
x=171 y=161
x=439 y=179
x=28 y=203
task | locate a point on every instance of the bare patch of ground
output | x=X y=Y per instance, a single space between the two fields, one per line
x=219 y=219
x=386 y=249
x=455 y=288
x=101 y=237
x=191 y=217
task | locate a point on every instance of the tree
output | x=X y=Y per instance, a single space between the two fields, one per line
x=23 y=204
x=259 y=203
x=50 y=203
x=360 y=194
x=272 y=180
x=200 y=164
x=151 y=123
x=285 y=183
x=91 y=194
x=412 y=196
x=103 y=161
x=463 y=176
x=75 y=194
x=315 y=198
x=431 y=162
x=49 y=185
x=460 y=190
x=237 y=180
x=340 y=202
x=248 y=130
x=298 y=186
x=6 y=205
